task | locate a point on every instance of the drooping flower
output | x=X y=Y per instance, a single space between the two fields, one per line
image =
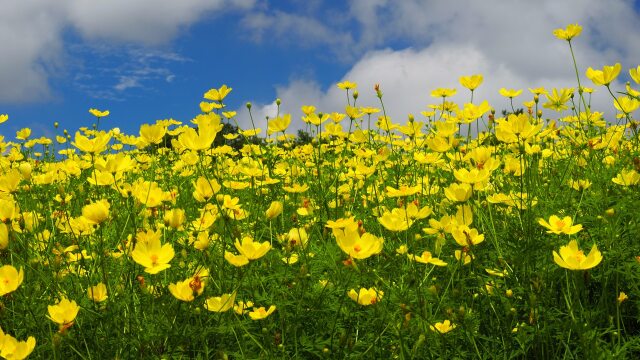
x=97 y=212
x=572 y=258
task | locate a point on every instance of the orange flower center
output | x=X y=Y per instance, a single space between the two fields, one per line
x=154 y=259
x=580 y=256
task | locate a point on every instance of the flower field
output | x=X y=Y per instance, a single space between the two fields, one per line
x=462 y=232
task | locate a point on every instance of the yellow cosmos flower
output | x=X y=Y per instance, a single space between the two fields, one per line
x=182 y=290
x=560 y=226
x=569 y=33
x=404 y=190
x=572 y=258
x=366 y=297
x=510 y=93
x=204 y=189
x=4 y=236
x=274 y=210
x=220 y=303
x=23 y=134
x=97 y=212
x=395 y=221
x=3 y=118
x=443 y=93
x=236 y=260
x=604 y=76
x=97 y=113
x=203 y=138
x=356 y=245
x=261 y=313
x=465 y=236
x=346 y=85
x=152 y=134
x=472 y=176
x=627 y=178
x=97 y=293
x=11 y=348
x=64 y=311
x=626 y=105
x=634 y=73
x=458 y=192
x=279 y=124
x=622 y=297
x=442 y=327
x=153 y=255
x=217 y=94
x=94 y=146
x=516 y=128
x=174 y=218
x=471 y=82
x=252 y=250
x=10 y=279
x=426 y=258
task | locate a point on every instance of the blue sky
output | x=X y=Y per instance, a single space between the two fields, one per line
x=154 y=59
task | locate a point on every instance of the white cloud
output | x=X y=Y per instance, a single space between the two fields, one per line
x=31 y=33
x=510 y=43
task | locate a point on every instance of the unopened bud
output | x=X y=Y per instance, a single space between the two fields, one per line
x=249 y=105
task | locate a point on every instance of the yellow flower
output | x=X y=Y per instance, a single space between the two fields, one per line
x=604 y=76
x=572 y=258
x=97 y=212
x=174 y=218
x=443 y=93
x=560 y=226
x=442 y=327
x=220 y=303
x=627 y=178
x=465 y=236
x=252 y=250
x=358 y=246
x=471 y=82
x=236 y=260
x=366 y=297
x=23 y=134
x=569 y=33
x=626 y=105
x=153 y=255
x=217 y=94
x=427 y=258
x=4 y=236
x=515 y=128
x=458 y=192
x=97 y=113
x=208 y=127
x=97 y=293
x=242 y=307
x=472 y=176
x=152 y=134
x=404 y=190
x=63 y=312
x=279 y=124
x=11 y=348
x=634 y=73
x=274 y=210
x=622 y=297
x=346 y=85
x=3 y=118
x=395 y=220
x=298 y=237
x=95 y=146
x=182 y=290
x=261 y=313
x=510 y=93
x=10 y=279
x=204 y=189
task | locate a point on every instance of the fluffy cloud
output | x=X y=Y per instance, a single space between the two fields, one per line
x=31 y=33
x=513 y=47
